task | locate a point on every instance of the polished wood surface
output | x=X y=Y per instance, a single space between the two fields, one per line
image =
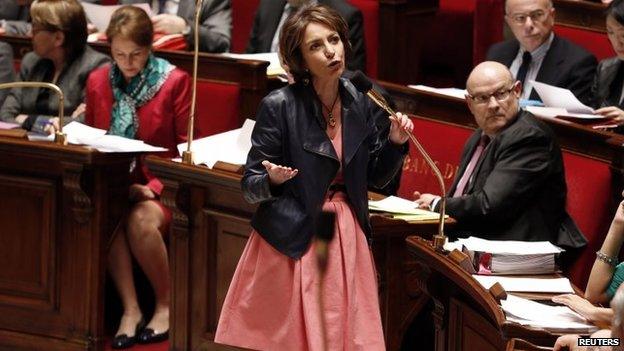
x=399 y=20
x=466 y=316
x=582 y=139
x=59 y=207
x=210 y=229
x=581 y=14
x=250 y=75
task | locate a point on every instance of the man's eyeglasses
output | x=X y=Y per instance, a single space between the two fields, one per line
x=535 y=16
x=500 y=96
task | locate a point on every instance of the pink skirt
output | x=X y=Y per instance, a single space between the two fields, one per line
x=273 y=301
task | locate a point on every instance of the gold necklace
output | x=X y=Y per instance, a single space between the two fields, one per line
x=330 y=115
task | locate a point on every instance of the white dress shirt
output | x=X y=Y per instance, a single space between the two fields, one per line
x=537 y=57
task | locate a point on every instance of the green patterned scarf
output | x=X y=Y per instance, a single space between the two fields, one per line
x=130 y=96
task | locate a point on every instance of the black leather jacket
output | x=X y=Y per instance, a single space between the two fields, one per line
x=290 y=131
x=607 y=86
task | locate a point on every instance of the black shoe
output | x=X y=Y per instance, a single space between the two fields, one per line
x=123 y=341
x=148 y=336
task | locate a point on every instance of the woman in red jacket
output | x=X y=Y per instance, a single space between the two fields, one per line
x=141 y=97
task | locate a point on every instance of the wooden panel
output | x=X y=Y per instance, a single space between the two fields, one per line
x=468 y=331
x=27 y=245
x=581 y=14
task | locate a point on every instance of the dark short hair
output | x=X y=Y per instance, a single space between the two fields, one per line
x=65 y=16
x=131 y=22
x=293 y=30
x=616 y=10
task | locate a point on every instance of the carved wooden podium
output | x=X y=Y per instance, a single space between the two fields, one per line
x=466 y=316
x=58 y=207
x=211 y=224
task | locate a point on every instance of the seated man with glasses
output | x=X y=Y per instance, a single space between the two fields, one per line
x=510 y=184
x=538 y=54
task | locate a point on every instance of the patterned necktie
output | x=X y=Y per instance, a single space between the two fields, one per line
x=464 y=180
x=524 y=67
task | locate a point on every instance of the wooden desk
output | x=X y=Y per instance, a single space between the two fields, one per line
x=59 y=206
x=581 y=14
x=466 y=316
x=250 y=75
x=574 y=137
x=211 y=224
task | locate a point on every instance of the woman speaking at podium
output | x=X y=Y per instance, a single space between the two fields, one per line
x=140 y=97
x=315 y=146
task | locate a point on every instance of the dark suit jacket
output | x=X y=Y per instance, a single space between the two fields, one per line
x=7 y=72
x=607 y=87
x=215 y=23
x=518 y=191
x=270 y=12
x=565 y=65
x=16 y=17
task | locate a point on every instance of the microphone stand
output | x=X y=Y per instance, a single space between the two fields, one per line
x=439 y=239
x=59 y=137
x=187 y=155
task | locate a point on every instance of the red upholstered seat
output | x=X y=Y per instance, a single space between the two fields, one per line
x=595 y=42
x=461 y=33
x=444 y=142
x=243 y=13
x=370 y=12
x=589 y=199
x=217 y=108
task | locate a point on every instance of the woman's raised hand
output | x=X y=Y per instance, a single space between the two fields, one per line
x=279 y=174
x=400 y=128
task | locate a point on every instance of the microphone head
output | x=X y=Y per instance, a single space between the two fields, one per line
x=325 y=224
x=361 y=82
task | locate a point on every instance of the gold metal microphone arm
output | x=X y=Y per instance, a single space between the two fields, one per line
x=440 y=239
x=187 y=156
x=59 y=136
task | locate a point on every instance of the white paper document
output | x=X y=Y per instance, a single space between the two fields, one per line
x=100 y=15
x=80 y=134
x=452 y=92
x=561 y=102
x=231 y=146
x=275 y=67
x=510 y=247
x=533 y=285
x=552 y=318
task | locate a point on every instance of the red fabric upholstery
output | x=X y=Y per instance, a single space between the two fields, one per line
x=109 y=2
x=469 y=28
x=243 y=13
x=595 y=42
x=488 y=27
x=370 y=12
x=444 y=142
x=217 y=108
x=589 y=194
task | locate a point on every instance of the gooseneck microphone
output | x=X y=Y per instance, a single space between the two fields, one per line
x=365 y=86
x=325 y=226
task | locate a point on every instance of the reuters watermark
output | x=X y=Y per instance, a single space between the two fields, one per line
x=598 y=341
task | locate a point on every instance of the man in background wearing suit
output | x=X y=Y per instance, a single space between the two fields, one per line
x=538 y=54
x=178 y=17
x=271 y=14
x=510 y=184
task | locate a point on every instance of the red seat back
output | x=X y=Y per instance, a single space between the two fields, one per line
x=589 y=199
x=217 y=108
x=243 y=13
x=595 y=42
x=370 y=13
x=444 y=142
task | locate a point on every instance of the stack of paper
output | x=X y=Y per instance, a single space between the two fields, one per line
x=452 y=92
x=528 y=285
x=230 y=147
x=275 y=68
x=80 y=134
x=556 y=319
x=511 y=257
x=560 y=102
x=402 y=209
